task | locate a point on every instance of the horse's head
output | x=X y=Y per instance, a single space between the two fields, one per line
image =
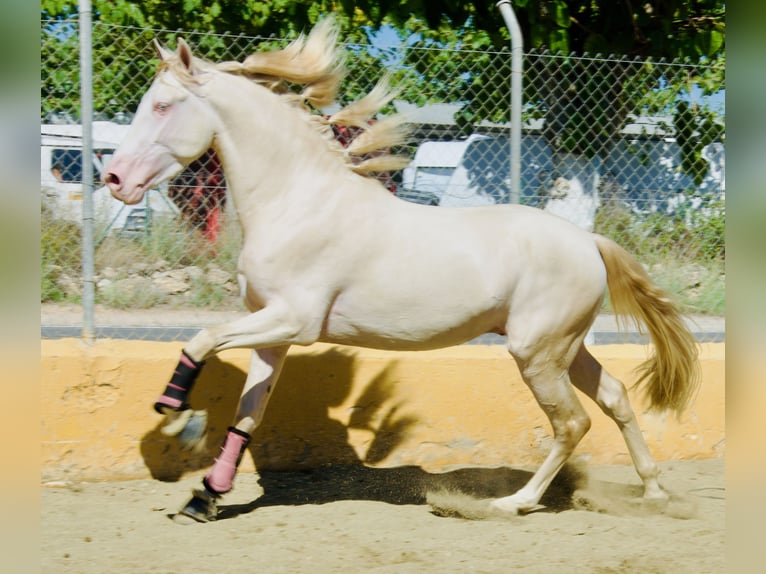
x=172 y=127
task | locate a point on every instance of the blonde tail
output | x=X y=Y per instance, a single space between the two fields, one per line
x=671 y=374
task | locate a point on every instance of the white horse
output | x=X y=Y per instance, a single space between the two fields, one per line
x=329 y=255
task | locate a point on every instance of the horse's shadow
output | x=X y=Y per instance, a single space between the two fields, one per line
x=297 y=431
x=308 y=459
x=399 y=486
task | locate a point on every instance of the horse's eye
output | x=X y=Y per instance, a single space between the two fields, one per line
x=161 y=107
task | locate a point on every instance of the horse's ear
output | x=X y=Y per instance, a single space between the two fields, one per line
x=185 y=55
x=163 y=53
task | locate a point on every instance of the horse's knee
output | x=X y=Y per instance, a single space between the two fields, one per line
x=201 y=346
x=578 y=425
x=568 y=418
x=614 y=402
x=572 y=429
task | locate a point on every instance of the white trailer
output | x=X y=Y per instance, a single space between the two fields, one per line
x=61 y=179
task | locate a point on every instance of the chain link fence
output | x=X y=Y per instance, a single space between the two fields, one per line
x=630 y=149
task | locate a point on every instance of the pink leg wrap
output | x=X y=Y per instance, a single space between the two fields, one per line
x=221 y=477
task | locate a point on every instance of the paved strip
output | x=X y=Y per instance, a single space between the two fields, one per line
x=176 y=333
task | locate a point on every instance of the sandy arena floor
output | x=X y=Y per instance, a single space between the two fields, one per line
x=358 y=520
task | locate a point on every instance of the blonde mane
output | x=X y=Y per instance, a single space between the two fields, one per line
x=316 y=63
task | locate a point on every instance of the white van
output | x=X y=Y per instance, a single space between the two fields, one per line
x=428 y=174
x=61 y=177
x=474 y=171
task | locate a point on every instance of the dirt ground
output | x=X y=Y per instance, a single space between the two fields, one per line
x=356 y=519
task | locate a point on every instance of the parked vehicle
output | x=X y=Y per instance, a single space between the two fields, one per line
x=61 y=179
x=642 y=172
x=473 y=171
x=427 y=177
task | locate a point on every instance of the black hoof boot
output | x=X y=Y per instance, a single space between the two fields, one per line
x=200 y=508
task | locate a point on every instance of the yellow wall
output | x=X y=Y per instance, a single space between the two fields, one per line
x=437 y=409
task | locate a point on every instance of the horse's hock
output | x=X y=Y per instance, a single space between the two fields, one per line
x=460 y=406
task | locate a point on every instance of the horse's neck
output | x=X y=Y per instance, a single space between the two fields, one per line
x=272 y=157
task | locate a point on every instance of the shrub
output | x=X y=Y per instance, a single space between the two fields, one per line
x=684 y=252
x=60 y=256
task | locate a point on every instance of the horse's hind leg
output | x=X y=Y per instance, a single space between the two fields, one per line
x=589 y=376
x=555 y=395
x=265 y=366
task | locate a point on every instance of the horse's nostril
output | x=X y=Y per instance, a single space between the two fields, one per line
x=112 y=179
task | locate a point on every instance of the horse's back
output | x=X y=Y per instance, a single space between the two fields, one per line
x=435 y=276
x=517 y=233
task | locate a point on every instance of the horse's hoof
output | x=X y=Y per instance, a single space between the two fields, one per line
x=175 y=421
x=509 y=506
x=655 y=505
x=185 y=520
x=193 y=434
x=200 y=508
x=188 y=426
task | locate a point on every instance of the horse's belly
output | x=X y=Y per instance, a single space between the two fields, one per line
x=410 y=328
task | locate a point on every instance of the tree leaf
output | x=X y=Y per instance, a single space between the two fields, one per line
x=561 y=14
x=716 y=42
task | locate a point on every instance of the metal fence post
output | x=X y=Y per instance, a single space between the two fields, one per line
x=517 y=52
x=86 y=120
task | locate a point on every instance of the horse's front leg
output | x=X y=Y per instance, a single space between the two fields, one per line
x=273 y=326
x=187 y=425
x=265 y=366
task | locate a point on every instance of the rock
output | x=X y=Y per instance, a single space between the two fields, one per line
x=171 y=282
x=109 y=273
x=218 y=276
x=160 y=265
x=140 y=269
x=131 y=285
x=193 y=272
x=72 y=287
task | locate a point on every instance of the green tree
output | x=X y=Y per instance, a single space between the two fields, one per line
x=122 y=42
x=658 y=28
x=281 y=18
x=584 y=103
